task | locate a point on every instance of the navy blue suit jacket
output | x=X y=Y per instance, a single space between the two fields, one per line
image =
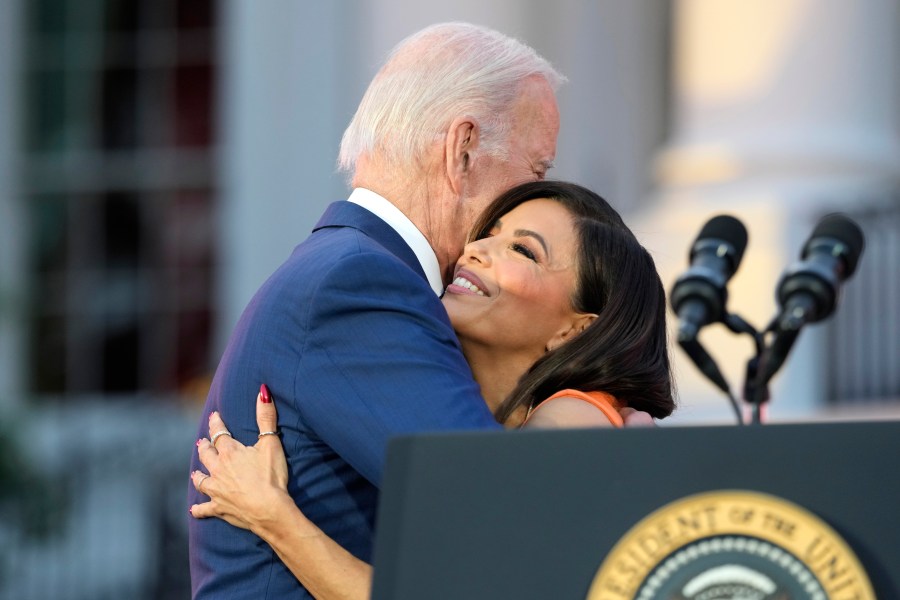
x=355 y=347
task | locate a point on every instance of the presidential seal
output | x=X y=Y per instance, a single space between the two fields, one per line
x=731 y=545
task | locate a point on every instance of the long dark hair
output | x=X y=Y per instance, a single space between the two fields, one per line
x=624 y=351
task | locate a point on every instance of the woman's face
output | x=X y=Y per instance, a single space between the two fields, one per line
x=512 y=290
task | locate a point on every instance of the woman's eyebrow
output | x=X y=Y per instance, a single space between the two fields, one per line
x=535 y=235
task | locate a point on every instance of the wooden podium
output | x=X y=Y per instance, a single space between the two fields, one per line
x=524 y=515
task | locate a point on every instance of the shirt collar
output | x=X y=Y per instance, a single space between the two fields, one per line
x=393 y=216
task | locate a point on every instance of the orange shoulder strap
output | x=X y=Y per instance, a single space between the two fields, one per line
x=606 y=403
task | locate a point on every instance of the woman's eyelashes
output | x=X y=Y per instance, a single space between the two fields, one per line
x=516 y=246
x=523 y=250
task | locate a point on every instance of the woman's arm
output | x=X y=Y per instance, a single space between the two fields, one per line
x=247 y=487
x=317 y=561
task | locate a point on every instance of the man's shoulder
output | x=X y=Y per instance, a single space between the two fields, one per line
x=339 y=241
x=341 y=249
x=342 y=264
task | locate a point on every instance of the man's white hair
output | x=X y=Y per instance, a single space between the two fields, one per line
x=434 y=76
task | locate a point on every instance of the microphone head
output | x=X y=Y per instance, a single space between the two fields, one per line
x=844 y=230
x=727 y=229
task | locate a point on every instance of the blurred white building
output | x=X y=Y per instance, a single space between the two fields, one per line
x=159 y=159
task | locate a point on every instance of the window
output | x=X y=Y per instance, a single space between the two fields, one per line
x=119 y=183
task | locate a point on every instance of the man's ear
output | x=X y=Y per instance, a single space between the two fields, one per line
x=579 y=322
x=462 y=141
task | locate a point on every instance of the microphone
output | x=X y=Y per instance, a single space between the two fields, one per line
x=699 y=295
x=808 y=290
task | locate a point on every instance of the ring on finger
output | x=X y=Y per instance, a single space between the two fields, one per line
x=262 y=433
x=202 y=479
x=218 y=435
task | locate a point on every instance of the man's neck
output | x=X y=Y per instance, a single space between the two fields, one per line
x=416 y=199
x=400 y=223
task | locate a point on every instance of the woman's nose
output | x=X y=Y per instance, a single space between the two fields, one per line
x=477 y=251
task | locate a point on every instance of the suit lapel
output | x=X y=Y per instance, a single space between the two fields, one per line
x=348 y=214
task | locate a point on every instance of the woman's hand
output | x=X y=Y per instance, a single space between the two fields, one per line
x=245 y=483
x=247 y=486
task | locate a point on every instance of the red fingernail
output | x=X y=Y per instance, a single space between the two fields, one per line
x=266 y=397
x=198 y=441
x=191 y=511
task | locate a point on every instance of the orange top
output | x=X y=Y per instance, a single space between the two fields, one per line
x=606 y=403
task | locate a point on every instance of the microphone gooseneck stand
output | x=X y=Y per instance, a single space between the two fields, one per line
x=701 y=358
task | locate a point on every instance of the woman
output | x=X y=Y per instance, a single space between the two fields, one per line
x=561 y=316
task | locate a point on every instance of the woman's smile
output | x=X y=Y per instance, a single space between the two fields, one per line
x=466 y=282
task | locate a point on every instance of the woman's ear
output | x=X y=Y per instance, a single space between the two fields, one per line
x=462 y=141
x=579 y=322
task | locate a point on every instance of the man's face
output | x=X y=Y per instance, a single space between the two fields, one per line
x=530 y=154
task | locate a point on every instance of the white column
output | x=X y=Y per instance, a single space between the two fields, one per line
x=782 y=110
x=284 y=104
x=613 y=107
x=13 y=224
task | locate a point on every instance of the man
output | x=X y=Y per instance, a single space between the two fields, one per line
x=349 y=334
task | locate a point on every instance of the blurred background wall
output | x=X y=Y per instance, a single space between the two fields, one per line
x=159 y=158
